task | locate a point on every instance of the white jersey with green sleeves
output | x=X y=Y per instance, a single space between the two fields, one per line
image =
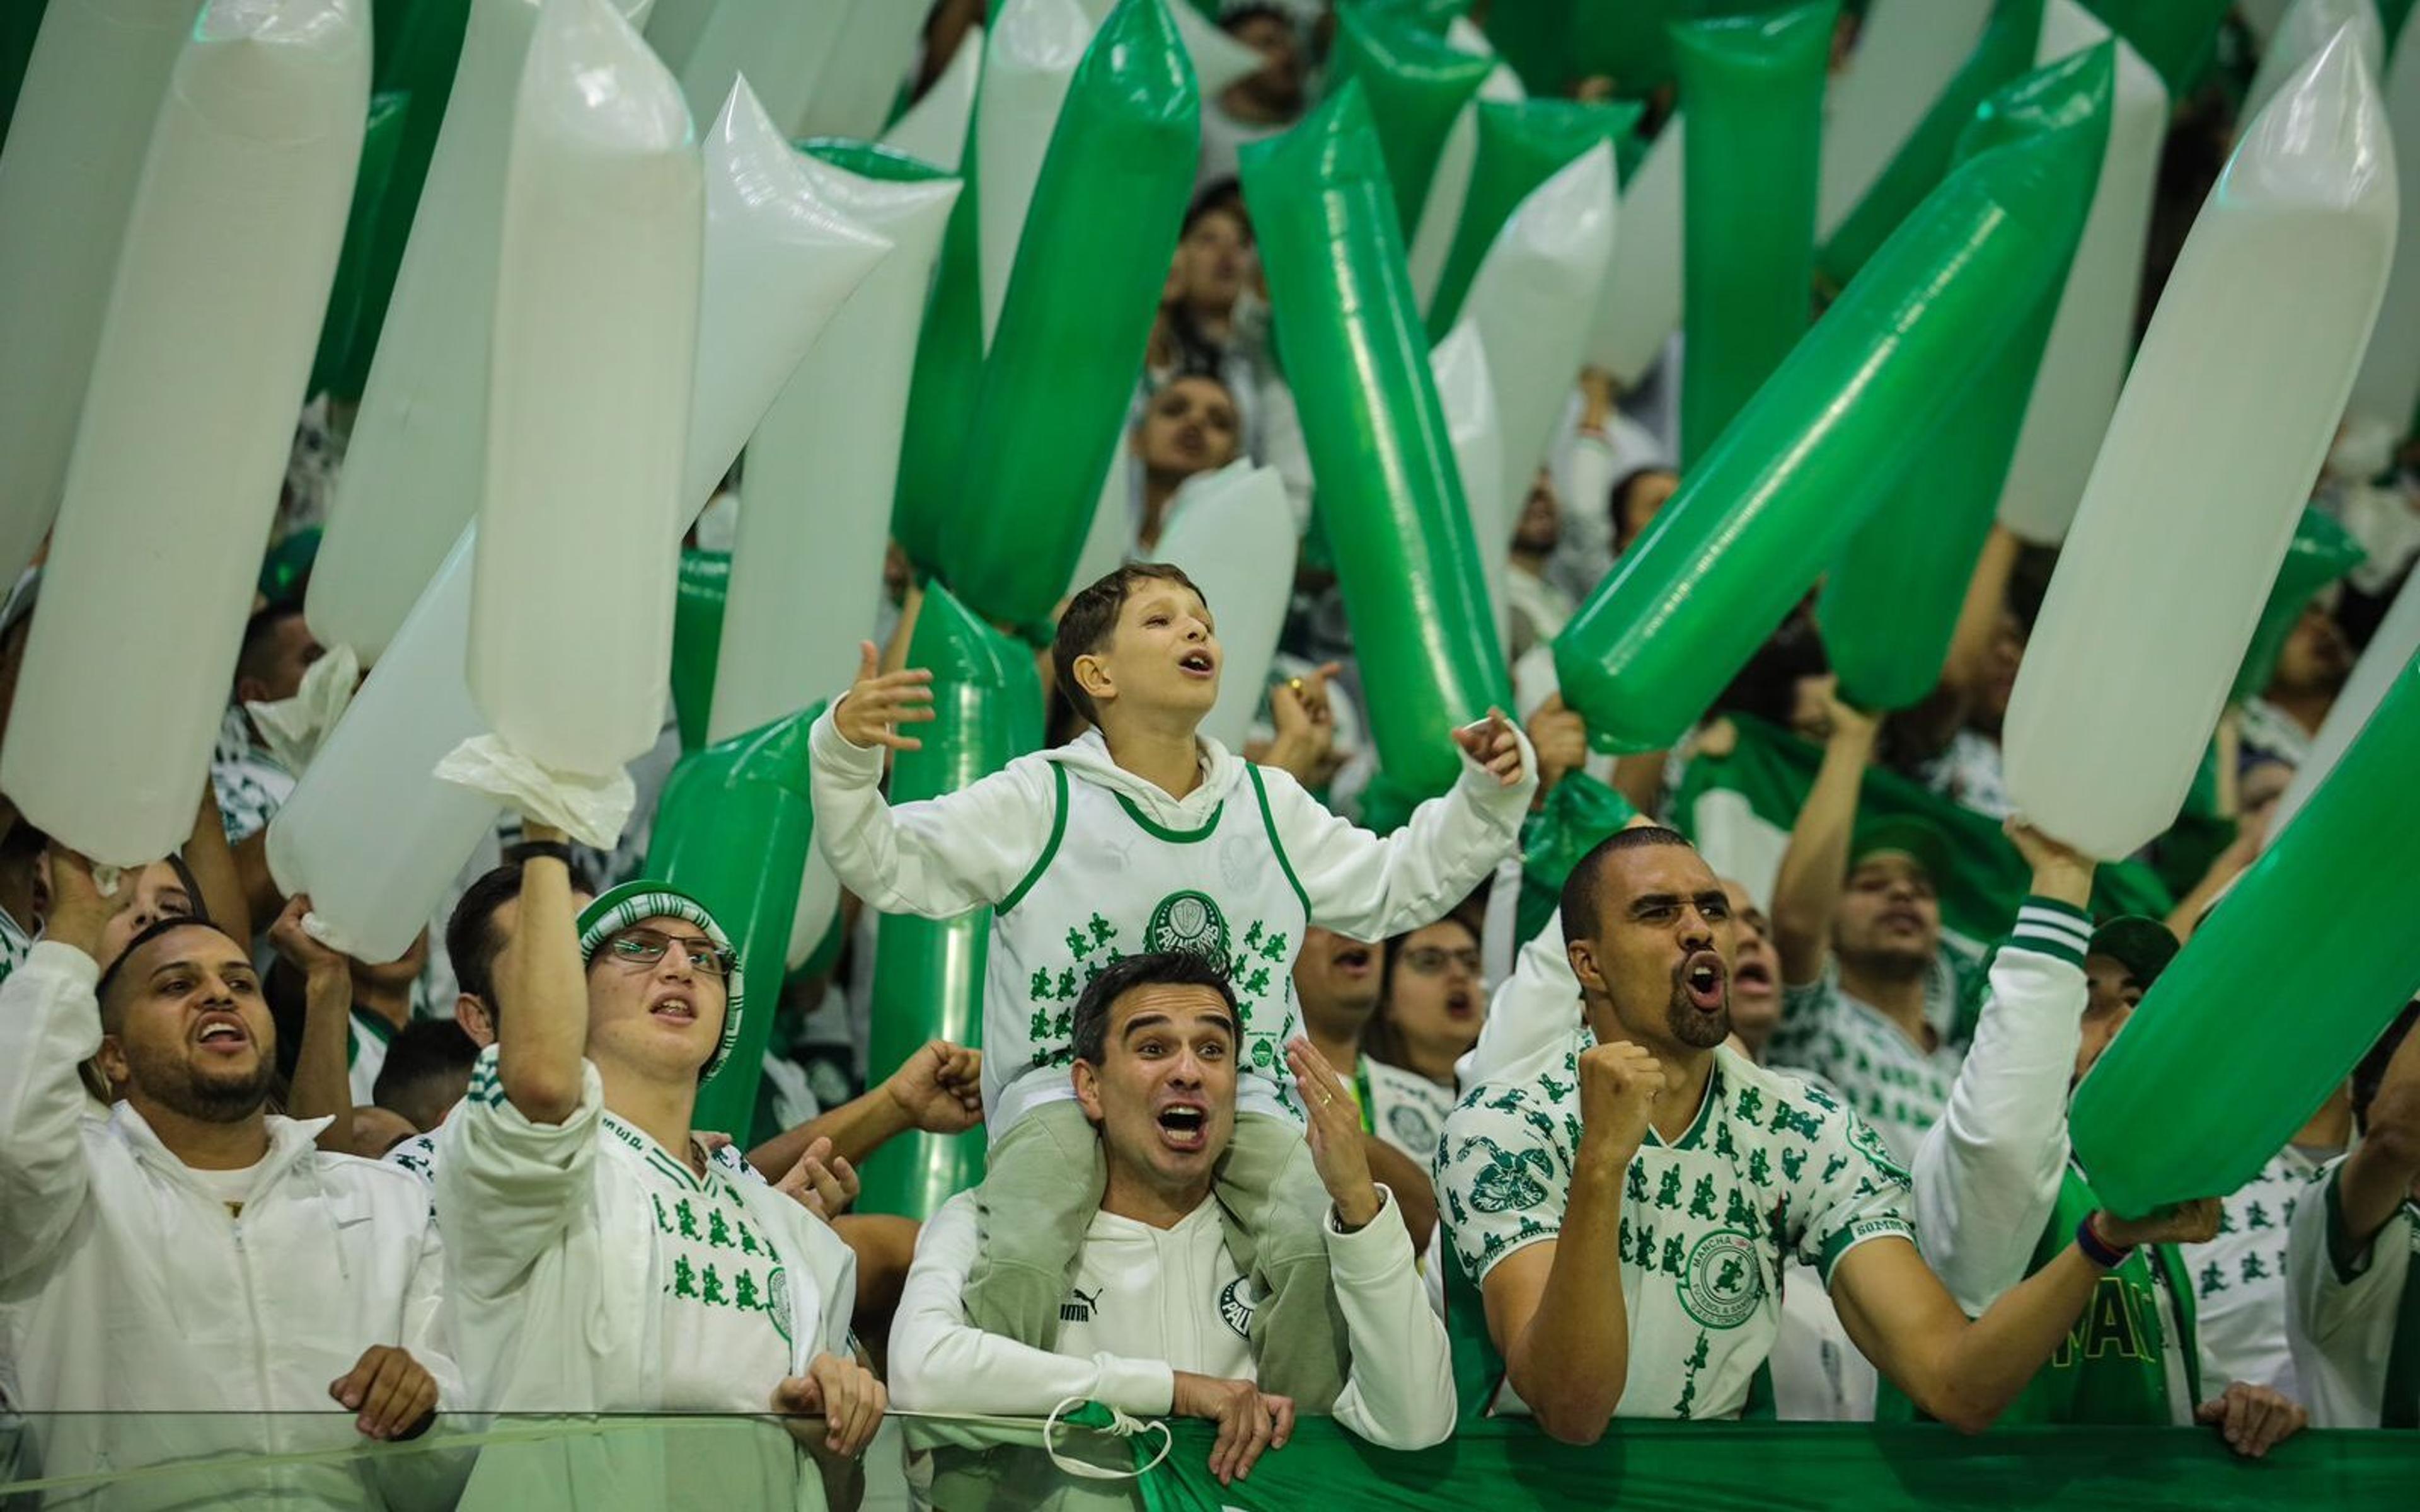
x=1111 y=883
x=1771 y=1170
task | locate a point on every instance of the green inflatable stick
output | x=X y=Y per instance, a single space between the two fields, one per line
x=1534 y=38
x=948 y=370
x=731 y=830
x=1772 y=504
x=2320 y=552
x=1415 y=85
x=341 y=327
x=2004 y=51
x=1628 y=41
x=1578 y=816
x=697 y=640
x=2277 y=995
x=1389 y=496
x=1753 y=88
x=1080 y=303
x=428 y=45
x=1520 y=147
x=2175 y=37
x=1891 y=601
x=1432 y=16
x=928 y=979
x=2392 y=14
x=18 y=27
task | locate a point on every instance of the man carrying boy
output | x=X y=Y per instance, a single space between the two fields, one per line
x=1144 y=837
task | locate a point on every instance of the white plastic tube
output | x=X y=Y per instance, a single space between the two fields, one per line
x=1906 y=54
x=1641 y=307
x=1233 y=532
x=1554 y=256
x=2092 y=336
x=2225 y=419
x=595 y=338
x=1218 y=60
x=1029 y=60
x=934 y=128
x=781 y=45
x=1467 y=395
x=861 y=78
x=2387 y=390
x=2391 y=650
x=76 y=143
x=231 y=244
x=1441 y=212
x=814 y=517
x=2309 y=25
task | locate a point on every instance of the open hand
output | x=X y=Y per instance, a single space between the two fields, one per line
x=939 y=1087
x=849 y=1398
x=76 y=913
x=1493 y=744
x=394 y=1393
x=1335 y=1134
x=822 y=1182
x=877 y=703
x=2180 y=1223
x=1559 y=737
x=2253 y=1419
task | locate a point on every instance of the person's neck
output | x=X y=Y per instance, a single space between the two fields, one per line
x=2331 y=1127
x=657 y=1106
x=1159 y=490
x=2307 y=706
x=1434 y=1062
x=1532 y=562
x=1751 y=1046
x=1243 y=103
x=384 y=1000
x=1165 y=753
x=1896 y=990
x=1338 y=1040
x=1129 y=1195
x=1214 y=325
x=204 y=1144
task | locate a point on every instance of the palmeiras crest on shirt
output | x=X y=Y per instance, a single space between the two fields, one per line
x=1236 y=1306
x=1188 y=920
x=1412 y=1127
x=777 y=1301
x=1722 y=1282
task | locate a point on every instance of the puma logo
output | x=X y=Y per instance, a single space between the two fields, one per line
x=1079 y=1305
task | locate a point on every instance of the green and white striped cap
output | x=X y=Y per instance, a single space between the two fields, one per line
x=632 y=902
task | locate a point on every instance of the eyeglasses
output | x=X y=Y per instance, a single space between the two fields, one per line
x=645 y=946
x=1431 y=961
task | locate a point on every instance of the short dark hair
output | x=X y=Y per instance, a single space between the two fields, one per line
x=1156 y=969
x=1579 y=905
x=257 y=631
x=1617 y=498
x=2369 y=1074
x=1219 y=196
x=427 y=1064
x=1091 y=618
x=472 y=941
x=104 y=991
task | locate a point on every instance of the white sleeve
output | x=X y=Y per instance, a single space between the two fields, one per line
x=1369 y=888
x=1534 y=1010
x=1400 y=1395
x=50 y=1023
x=938 y=858
x=942 y=1363
x=1588 y=504
x=507 y=1188
x=2341 y=1309
x=427 y=1330
x=1987 y=1176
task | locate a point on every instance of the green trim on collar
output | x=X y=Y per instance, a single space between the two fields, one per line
x=1173 y=837
x=1695 y=1134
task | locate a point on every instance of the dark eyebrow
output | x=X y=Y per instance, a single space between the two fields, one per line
x=1716 y=897
x=1141 y=1022
x=1653 y=899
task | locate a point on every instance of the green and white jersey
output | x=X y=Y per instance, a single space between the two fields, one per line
x=1402 y=1108
x=2239 y=1278
x=1893 y=1082
x=2354 y=1316
x=1771 y=1170
x=248 y=782
x=726 y=1303
x=1129 y=886
x=15 y=944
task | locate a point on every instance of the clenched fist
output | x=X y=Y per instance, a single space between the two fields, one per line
x=1619 y=1081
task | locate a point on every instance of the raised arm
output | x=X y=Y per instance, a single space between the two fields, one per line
x=938 y=1089
x=1815 y=865
x=1965 y=1373
x=215 y=870
x=2379 y=1173
x=321 y=1087
x=542 y=1037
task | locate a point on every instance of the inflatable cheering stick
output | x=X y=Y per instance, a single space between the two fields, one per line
x=1415 y=85
x=1520 y=147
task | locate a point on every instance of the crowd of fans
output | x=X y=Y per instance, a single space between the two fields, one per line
x=1710 y=1130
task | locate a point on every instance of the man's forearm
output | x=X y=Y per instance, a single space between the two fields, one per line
x=542 y=1032
x=857 y=1129
x=2378 y=1174
x=322 y=1086
x=1993 y=1357
x=207 y=857
x=1569 y=1363
x=1807 y=890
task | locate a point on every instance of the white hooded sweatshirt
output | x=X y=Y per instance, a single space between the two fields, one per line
x=127 y=1287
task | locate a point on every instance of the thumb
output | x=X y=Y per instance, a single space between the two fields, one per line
x=798 y=1394
x=869 y=660
x=2211 y=1412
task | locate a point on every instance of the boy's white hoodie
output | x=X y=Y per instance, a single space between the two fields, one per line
x=973 y=848
x=128 y=1290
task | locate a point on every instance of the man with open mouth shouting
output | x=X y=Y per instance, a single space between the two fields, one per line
x=1157 y=1317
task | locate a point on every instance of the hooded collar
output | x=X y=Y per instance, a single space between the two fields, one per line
x=291 y=1141
x=1221 y=770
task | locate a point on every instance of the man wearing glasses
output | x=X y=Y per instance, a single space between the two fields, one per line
x=604 y=1263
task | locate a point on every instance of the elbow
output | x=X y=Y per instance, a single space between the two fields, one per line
x=543 y=1099
x=1578 y=1424
x=1961 y=1411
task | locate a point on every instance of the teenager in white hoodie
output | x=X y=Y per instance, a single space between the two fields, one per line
x=191 y=1252
x=1155 y=1319
x=1143 y=836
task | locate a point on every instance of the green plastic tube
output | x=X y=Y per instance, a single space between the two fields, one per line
x=1520 y=147
x=1415 y=86
x=732 y=829
x=1080 y=303
x=928 y=980
x=1534 y=37
x=1753 y=88
x=2320 y=552
x=2004 y=51
x=2301 y=965
x=1431 y=15
x=18 y=27
x=1578 y=816
x=948 y=371
x=341 y=327
x=2175 y=37
x=1890 y=601
x=1389 y=496
x=1775 y=499
x=697 y=641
